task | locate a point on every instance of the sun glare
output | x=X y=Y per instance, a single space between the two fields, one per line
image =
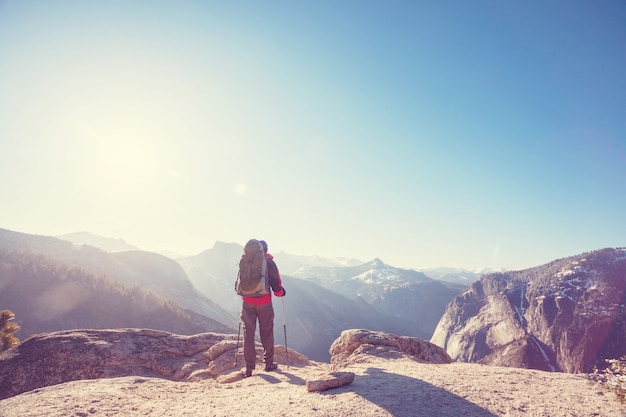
x=240 y=189
x=121 y=160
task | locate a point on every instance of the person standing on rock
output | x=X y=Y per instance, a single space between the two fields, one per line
x=258 y=277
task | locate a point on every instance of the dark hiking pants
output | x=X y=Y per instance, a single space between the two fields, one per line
x=249 y=315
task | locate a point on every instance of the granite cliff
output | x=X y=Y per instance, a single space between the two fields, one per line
x=568 y=315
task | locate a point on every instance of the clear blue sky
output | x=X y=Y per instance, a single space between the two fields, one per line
x=425 y=133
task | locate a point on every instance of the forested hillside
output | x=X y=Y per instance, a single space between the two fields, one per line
x=45 y=295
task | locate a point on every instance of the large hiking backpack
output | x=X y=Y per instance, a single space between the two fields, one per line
x=252 y=277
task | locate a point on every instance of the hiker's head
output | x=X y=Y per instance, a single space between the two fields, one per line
x=264 y=244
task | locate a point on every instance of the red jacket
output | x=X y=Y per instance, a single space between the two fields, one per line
x=275 y=282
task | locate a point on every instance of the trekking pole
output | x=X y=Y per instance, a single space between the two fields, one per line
x=237 y=348
x=285 y=331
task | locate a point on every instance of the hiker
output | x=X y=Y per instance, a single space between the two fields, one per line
x=257 y=304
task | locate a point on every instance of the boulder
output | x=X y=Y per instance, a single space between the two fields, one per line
x=355 y=345
x=333 y=380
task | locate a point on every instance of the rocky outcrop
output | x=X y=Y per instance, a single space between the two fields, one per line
x=567 y=315
x=354 y=346
x=58 y=357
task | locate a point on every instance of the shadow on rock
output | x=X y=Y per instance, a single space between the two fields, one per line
x=404 y=396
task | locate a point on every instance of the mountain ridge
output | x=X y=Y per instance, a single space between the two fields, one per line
x=567 y=315
x=523 y=305
x=125 y=268
x=289 y=262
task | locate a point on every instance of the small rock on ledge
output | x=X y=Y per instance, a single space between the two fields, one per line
x=334 y=380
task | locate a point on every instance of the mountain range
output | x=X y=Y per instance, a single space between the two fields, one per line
x=156 y=274
x=314 y=314
x=406 y=294
x=407 y=302
x=567 y=315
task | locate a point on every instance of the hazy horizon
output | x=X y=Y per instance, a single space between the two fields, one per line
x=92 y=239
x=426 y=134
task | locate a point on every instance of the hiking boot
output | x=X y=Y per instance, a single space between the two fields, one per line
x=271 y=366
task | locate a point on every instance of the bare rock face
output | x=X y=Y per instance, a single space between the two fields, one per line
x=54 y=358
x=567 y=315
x=355 y=345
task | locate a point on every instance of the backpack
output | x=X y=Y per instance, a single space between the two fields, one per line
x=252 y=277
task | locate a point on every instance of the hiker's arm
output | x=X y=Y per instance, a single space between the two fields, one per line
x=274 y=278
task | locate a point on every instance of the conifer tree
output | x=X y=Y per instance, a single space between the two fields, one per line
x=7 y=329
